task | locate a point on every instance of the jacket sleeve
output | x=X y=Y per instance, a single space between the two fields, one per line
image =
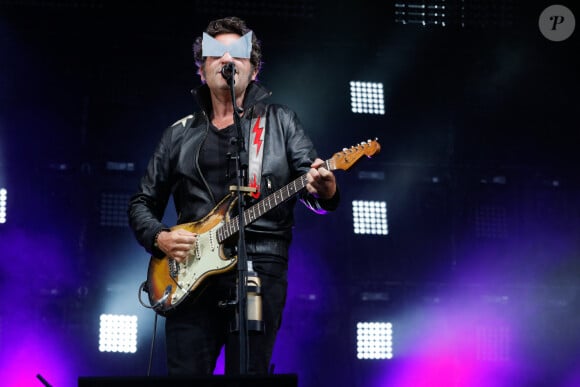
x=301 y=154
x=147 y=205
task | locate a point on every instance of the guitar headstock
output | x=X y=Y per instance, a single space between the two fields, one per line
x=349 y=156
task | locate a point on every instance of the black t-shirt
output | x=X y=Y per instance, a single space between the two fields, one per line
x=219 y=170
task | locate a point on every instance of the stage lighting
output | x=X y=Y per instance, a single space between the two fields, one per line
x=118 y=333
x=473 y=13
x=423 y=13
x=374 y=340
x=493 y=343
x=370 y=217
x=491 y=222
x=367 y=97
x=120 y=166
x=114 y=209
x=3 y=204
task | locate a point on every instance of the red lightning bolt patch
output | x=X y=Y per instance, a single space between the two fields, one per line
x=255 y=167
x=258 y=139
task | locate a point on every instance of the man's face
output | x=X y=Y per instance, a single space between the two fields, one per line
x=210 y=73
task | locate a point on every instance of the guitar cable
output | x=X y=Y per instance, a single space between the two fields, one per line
x=151 y=350
x=142 y=289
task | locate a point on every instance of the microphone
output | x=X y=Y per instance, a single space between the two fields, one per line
x=228 y=71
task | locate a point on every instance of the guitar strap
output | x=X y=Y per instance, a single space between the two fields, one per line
x=256 y=153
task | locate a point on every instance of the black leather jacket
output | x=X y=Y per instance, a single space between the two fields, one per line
x=174 y=170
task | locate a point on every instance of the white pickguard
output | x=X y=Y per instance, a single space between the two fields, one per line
x=204 y=258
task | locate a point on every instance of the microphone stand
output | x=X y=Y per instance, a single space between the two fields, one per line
x=242 y=294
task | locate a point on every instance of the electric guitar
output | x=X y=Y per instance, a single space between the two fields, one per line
x=170 y=282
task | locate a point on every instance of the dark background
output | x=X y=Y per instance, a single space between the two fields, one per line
x=478 y=168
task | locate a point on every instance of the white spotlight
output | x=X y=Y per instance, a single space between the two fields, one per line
x=374 y=340
x=367 y=97
x=370 y=217
x=118 y=333
x=3 y=204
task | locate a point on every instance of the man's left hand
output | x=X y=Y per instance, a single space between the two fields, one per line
x=321 y=182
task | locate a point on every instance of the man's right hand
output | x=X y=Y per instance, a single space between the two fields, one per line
x=176 y=244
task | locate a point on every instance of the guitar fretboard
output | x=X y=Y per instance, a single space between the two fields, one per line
x=268 y=203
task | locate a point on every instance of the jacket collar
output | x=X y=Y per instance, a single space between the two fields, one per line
x=254 y=94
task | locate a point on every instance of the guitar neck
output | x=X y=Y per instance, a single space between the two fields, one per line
x=268 y=203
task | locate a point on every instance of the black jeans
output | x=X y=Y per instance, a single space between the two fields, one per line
x=198 y=329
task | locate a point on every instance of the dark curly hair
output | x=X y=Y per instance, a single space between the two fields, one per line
x=225 y=25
